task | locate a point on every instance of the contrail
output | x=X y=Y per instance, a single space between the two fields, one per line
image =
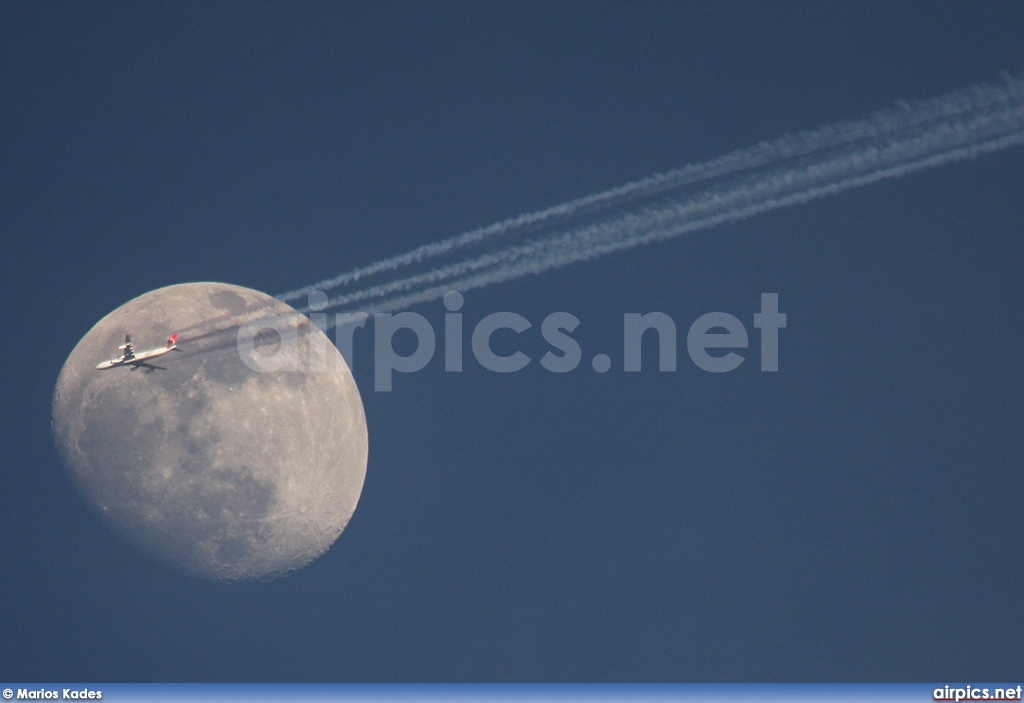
x=791 y=170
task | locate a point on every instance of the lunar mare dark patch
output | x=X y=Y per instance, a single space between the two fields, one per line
x=228 y=301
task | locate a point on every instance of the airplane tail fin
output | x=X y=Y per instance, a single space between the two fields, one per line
x=172 y=342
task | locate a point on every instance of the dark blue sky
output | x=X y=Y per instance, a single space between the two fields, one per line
x=856 y=516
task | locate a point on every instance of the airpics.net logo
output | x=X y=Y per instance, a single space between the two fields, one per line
x=713 y=340
x=977 y=693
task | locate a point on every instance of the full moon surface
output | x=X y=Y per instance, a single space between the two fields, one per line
x=241 y=456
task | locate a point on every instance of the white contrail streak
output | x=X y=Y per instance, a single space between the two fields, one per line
x=791 y=170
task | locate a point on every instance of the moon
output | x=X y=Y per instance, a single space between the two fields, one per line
x=242 y=456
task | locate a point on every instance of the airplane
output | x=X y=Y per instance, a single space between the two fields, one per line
x=132 y=360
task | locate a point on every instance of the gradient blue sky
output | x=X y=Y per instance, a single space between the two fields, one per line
x=856 y=516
